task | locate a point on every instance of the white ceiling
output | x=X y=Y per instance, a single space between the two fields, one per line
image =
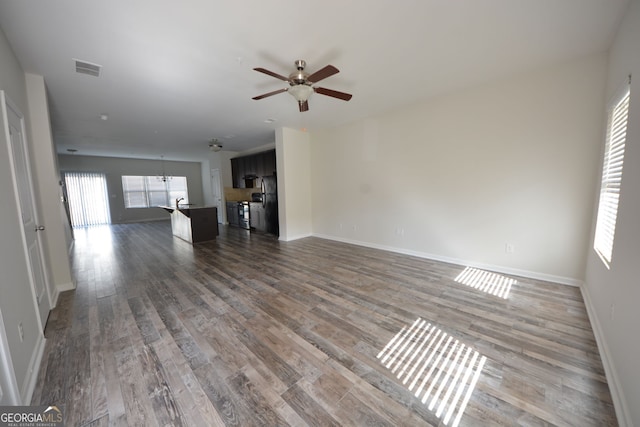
x=178 y=73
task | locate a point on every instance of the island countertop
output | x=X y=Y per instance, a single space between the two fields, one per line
x=196 y=224
x=185 y=209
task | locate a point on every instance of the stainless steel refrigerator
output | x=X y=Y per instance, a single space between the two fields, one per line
x=269 y=189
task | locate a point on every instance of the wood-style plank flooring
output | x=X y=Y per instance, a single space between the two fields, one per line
x=250 y=331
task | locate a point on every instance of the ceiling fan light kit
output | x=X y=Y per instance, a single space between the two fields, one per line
x=214 y=145
x=300 y=92
x=300 y=84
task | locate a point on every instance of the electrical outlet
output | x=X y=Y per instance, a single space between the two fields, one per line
x=509 y=248
x=21 y=332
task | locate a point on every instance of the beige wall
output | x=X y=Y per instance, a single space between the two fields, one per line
x=293 y=159
x=458 y=177
x=613 y=295
x=114 y=168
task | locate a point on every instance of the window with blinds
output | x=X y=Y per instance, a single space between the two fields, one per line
x=151 y=191
x=616 y=137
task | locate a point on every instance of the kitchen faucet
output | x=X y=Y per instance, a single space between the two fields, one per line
x=178 y=201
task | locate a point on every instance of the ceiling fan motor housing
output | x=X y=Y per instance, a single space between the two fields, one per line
x=298 y=77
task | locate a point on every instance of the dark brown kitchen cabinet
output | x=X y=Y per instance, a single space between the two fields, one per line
x=232 y=214
x=258 y=165
x=250 y=165
x=259 y=169
x=256 y=215
x=236 y=170
x=240 y=168
x=269 y=163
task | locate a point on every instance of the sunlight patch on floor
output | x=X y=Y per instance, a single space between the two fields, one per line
x=486 y=281
x=439 y=369
x=98 y=237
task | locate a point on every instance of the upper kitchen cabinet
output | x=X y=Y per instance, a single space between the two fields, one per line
x=237 y=172
x=250 y=165
x=244 y=168
x=269 y=163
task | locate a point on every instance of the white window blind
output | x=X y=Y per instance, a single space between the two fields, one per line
x=151 y=191
x=616 y=137
x=88 y=198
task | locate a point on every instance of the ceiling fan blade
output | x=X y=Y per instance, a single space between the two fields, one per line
x=322 y=74
x=272 y=74
x=304 y=106
x=275 y=92
x=333 y=93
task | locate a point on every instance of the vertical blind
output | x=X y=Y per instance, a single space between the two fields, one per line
x=616 y=138
x=88 y=198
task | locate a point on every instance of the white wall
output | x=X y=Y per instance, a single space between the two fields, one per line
x=16 y=299
x=115 y=167
x=617 y=328
x=293 y=159
x=264 y=147
x=207 y=193
x=48 y=190
x=459 y=176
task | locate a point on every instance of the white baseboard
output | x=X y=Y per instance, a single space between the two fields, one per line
x=54 y=297
x=467 y=263
x=59 y=289
x=292 y=238
x=66 y=287
x=29 y=384
x=617 y=395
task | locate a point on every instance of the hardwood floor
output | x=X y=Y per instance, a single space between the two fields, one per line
x=247 y=330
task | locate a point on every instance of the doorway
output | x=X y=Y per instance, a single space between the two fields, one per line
x=88 y=198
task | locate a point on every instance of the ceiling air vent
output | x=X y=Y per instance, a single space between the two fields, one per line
x=84 y=67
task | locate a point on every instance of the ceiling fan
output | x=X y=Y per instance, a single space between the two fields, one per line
x=300 y=84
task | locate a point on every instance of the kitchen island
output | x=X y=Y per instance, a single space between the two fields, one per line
x=194 y=224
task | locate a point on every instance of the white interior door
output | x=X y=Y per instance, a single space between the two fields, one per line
x=217 y=191
x=30 y=226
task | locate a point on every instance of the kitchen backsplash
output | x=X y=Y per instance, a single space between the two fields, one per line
x=238 y=194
